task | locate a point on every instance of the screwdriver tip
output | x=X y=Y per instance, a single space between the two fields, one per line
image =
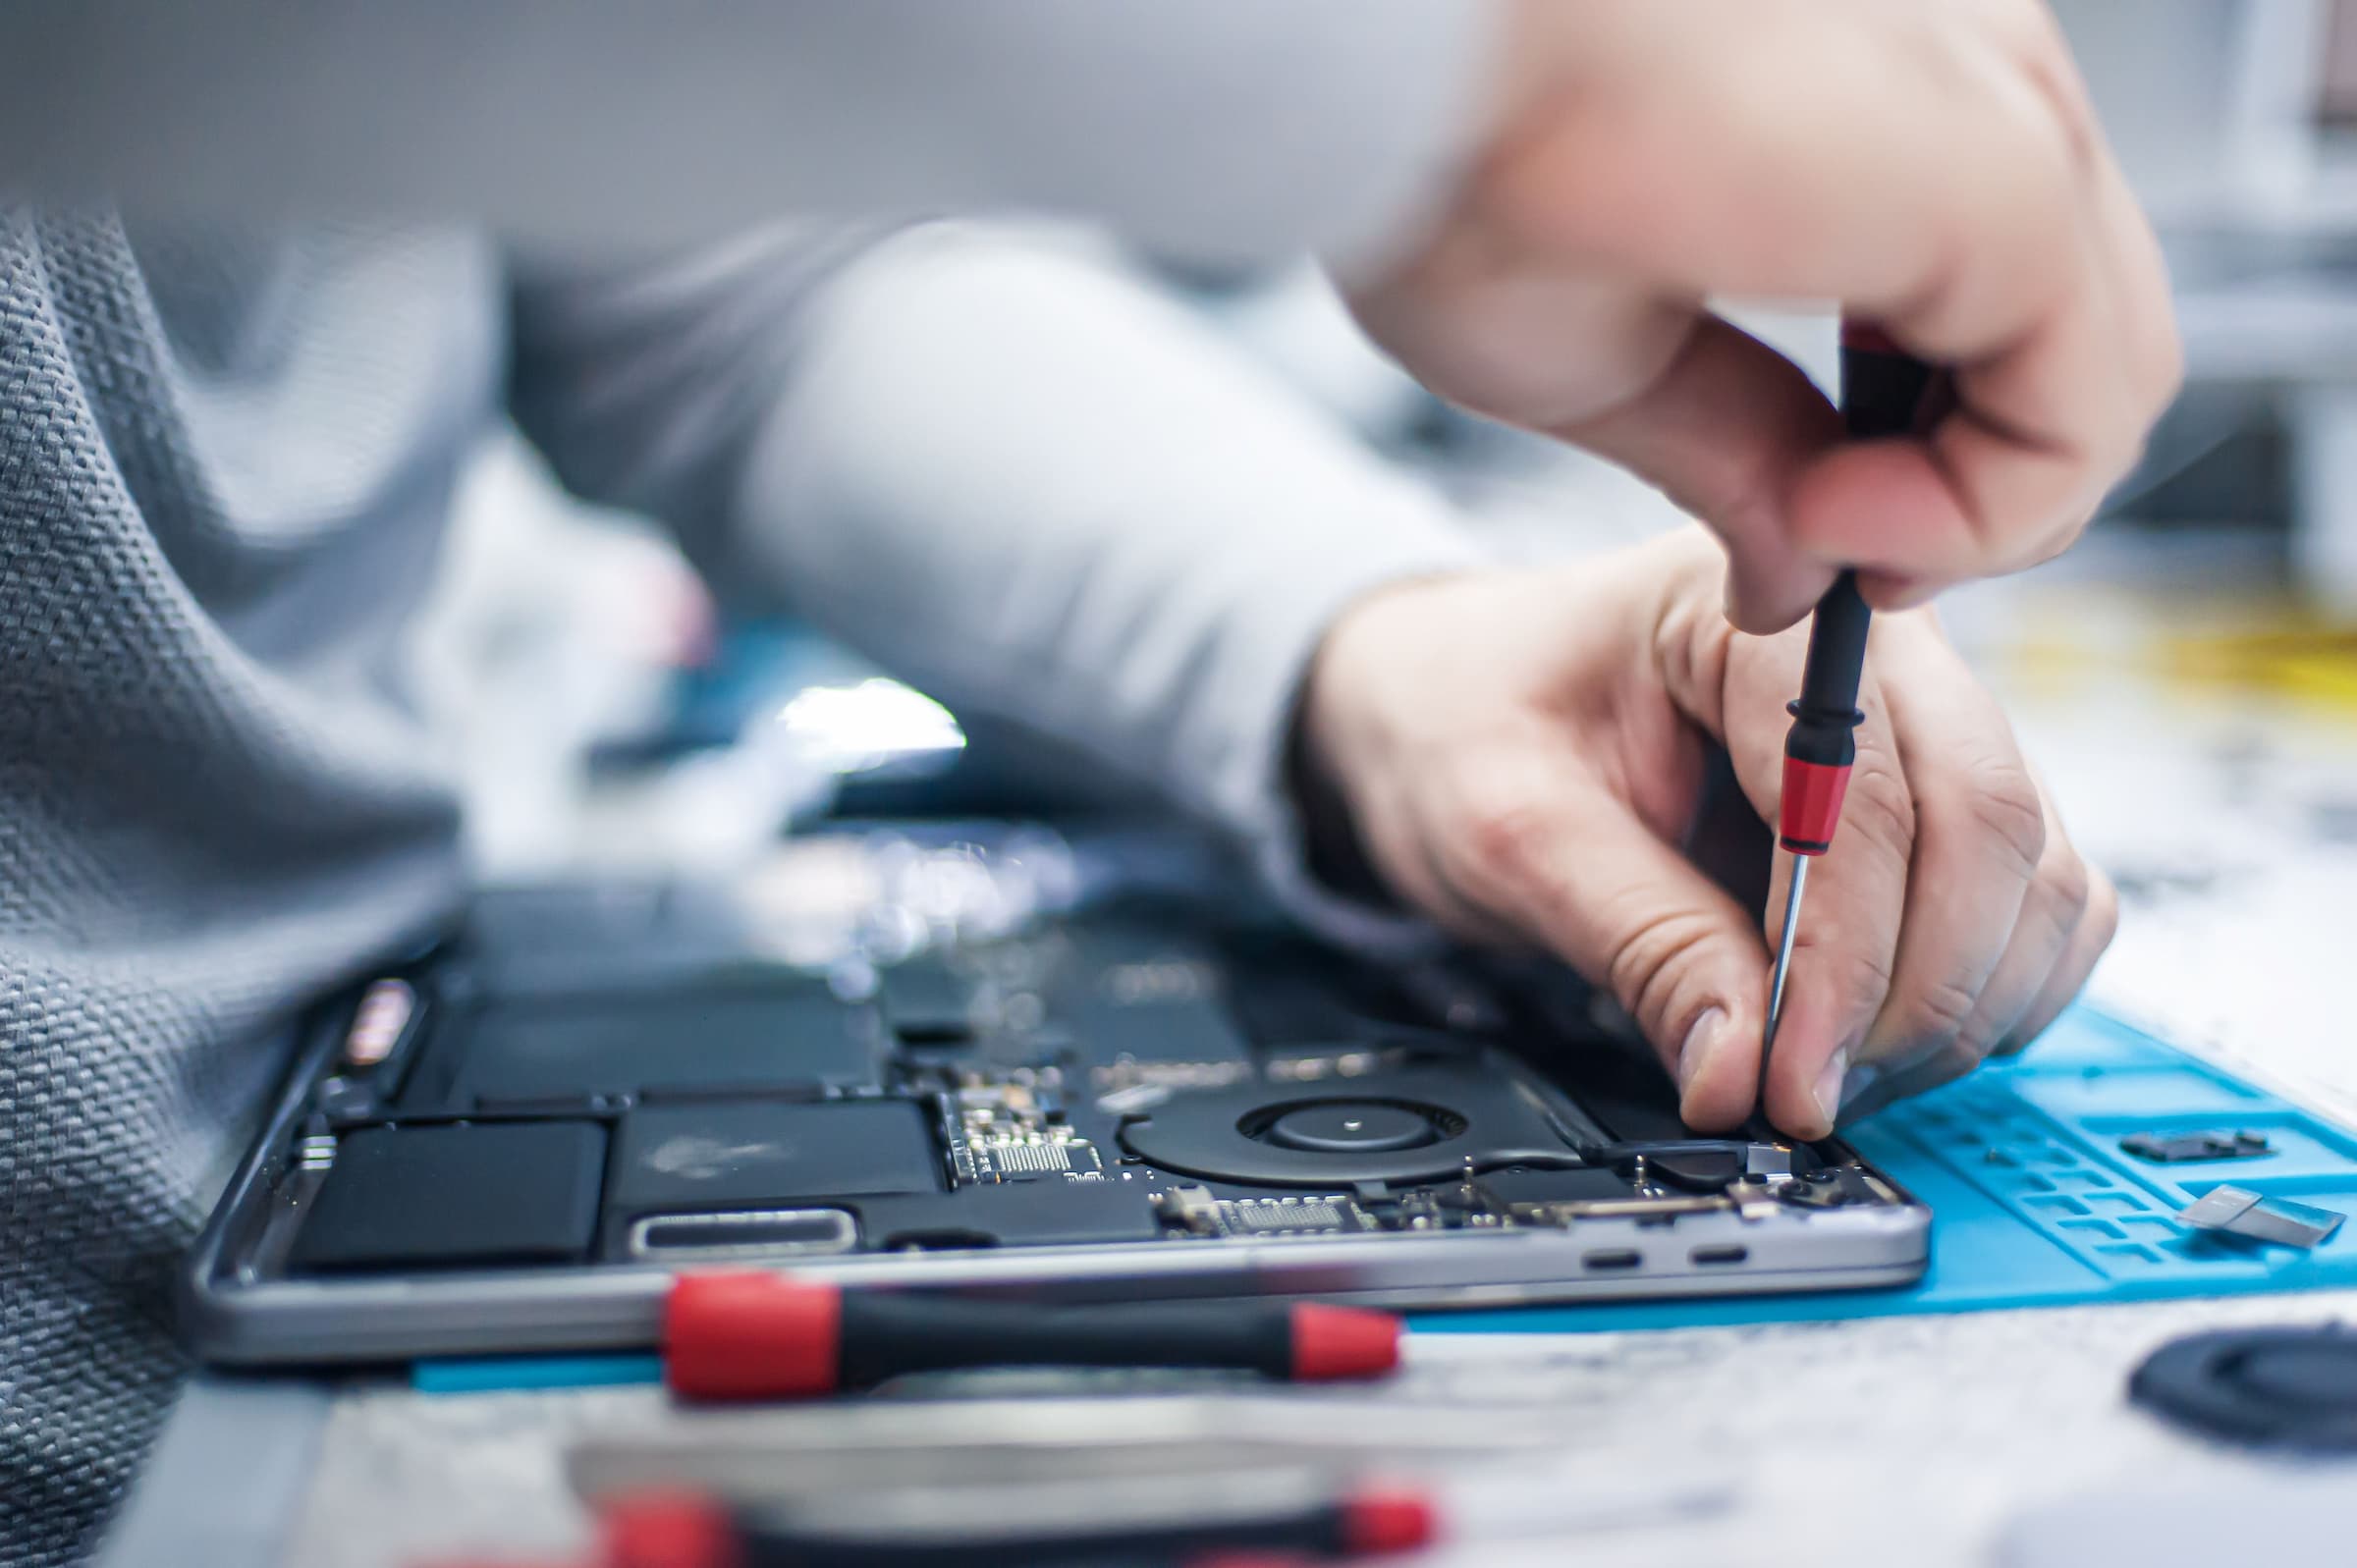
x=1783 y=967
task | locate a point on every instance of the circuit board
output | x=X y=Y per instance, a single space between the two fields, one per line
x=1113 y=1079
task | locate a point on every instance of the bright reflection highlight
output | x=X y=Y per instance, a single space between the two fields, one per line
x=851 y=728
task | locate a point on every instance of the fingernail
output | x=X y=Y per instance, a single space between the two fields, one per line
x=1701 y=1035
x=1828 y=1092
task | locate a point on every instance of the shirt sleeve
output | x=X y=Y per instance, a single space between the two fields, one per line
x=1209 y=130
x=1010 y=472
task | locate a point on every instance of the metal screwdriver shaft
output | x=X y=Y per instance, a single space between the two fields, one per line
x=1882 y=394
x=1783 y=958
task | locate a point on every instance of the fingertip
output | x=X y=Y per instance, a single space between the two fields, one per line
x=1808 y=1109
x=1718 y=1071
x=1808 y=1068
x=1889 y=591
x=1884 y=507
x=1762 y=600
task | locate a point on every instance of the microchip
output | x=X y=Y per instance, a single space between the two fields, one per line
x=1029 y=1156
x=1021 y=1156
x=1277 y=1217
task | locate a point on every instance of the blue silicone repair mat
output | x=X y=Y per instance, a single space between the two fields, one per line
x=2035 y=1204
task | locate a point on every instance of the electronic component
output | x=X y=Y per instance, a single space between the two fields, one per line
x=1192 y=1210
x=1358 y=1126
x=926 y=1002
x=1158 y=1007
x=1028 y=1214
x=1014 y=1159
x=611 y=938
x=1833 y=1187
x=2185 y=1148
x=724 y=1042
x=1290 y=1217
x=754 y=1233
x=1521 y=1185
x=1411 y=1124
x=1311 y=1068
x=498 y=1193
x=2255 y=1217
x=1010 y=1131
x=1083 y=1085
x=378 y=1022
x=1125 y=1076
x=347 y=1101
x=760 y=1153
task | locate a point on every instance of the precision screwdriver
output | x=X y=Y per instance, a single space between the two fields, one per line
x=1883 y=395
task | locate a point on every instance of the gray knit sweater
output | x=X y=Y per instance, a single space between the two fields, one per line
x=208 y=804
x=226 y=458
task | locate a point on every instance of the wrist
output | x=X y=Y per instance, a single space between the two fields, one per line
x=1330 y=733
x=1331 y=849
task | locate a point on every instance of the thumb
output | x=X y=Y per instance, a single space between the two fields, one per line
x=1724 y=430
x=1583 y=873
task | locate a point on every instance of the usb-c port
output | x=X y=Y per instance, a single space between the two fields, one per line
x=1622 y=1258
x=1720 y=1255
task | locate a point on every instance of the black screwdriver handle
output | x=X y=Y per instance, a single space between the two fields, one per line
x=1883 y=393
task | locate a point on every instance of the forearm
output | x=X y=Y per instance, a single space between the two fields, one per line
x=1047 y=494
x=1219 y=127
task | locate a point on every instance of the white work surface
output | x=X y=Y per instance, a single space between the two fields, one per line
x=1919 y=1440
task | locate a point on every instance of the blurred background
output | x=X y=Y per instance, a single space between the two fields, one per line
x=2198 y=650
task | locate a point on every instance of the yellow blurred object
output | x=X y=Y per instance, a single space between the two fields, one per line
x=2206 y=645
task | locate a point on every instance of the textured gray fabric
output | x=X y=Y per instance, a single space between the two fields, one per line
x=217 y=501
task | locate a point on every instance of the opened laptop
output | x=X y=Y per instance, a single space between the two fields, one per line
x=972 y=1063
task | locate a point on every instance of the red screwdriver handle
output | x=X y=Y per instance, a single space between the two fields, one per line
x=753 y=1334
x=1883 y=391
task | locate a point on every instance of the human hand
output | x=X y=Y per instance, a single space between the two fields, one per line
x=1522 y=753
x=1936 y=169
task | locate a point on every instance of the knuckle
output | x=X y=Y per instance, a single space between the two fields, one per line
x=2036 y=43
x=1980 y=1037
x=1879 y=808
x=2100 y=921
x=2057 y=544
x=2008 y=813
x=1505 y=833
x=2168 y=378
x=2029 y=28
x=2067 y=886
x=1861 y=982
x=1938 y=1012
x=1650 y=955
x=2050 y=157
x=1692 y=645
x=2158 y=348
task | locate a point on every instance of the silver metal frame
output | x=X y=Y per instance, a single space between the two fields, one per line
x=249 y=1321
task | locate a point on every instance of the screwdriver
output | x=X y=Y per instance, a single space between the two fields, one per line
x=755 y=1334
x=1883 y=393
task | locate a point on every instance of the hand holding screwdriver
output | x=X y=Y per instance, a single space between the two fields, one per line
x=1884 y=394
